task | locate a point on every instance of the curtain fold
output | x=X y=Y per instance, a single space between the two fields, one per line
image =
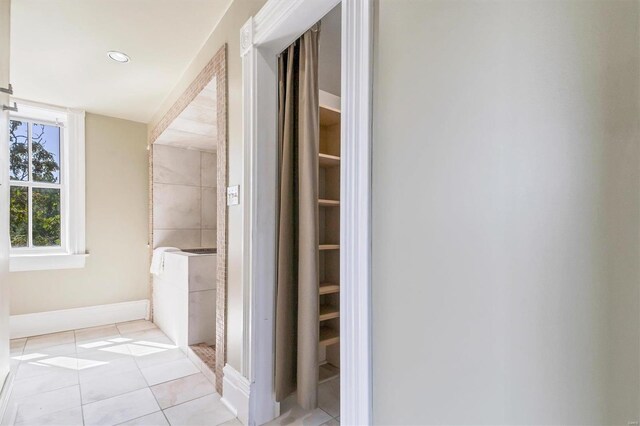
x=296 y=365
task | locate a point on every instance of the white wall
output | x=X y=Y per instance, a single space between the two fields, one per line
x=506 y=213
x=329 y=51
x=117 y=217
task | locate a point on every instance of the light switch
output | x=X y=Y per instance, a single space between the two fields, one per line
x=233 y=195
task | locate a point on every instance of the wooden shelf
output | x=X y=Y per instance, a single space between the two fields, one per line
x=327 y=372
x=328 y=203
x=327 y=160
x=328 y=312
x=328 y=336
x=329 y=246
x=329 y=206
x=329 y=116
x=328 y=288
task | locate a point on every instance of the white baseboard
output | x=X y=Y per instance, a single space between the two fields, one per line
x=5 y=391
x=72 y=319
x=235 y=393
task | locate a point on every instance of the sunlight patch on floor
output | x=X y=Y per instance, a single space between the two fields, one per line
x=29 y=357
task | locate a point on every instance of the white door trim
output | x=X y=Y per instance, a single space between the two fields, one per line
x=265 y=35
x=5 y=33
x=355 y=217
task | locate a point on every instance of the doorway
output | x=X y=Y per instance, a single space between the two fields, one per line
x=263 y=37
x=188 y=211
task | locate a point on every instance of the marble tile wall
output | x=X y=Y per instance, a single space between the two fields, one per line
x=184 y=197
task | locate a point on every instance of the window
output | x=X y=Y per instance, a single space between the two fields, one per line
x=46 y=177
x=36 y=189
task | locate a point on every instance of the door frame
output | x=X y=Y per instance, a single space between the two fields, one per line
x=262 y=38
x=6 y=376
x=215 y=68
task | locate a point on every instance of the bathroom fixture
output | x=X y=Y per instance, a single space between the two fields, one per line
x=8 y=90
x=13 y=108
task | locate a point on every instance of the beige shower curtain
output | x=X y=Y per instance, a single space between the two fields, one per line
x=296 y=366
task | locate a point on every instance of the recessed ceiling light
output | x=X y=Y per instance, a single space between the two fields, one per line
x=118 y=56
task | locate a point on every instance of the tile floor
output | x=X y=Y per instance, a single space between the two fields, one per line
x=128 y=374
x=327 y=413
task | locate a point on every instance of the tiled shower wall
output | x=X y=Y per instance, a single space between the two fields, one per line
x=184 y=197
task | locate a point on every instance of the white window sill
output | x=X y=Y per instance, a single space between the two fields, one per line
x=46 y=262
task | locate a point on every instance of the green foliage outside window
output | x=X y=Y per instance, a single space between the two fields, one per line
x=46 y=228
x=46 y=217
x=19 y=213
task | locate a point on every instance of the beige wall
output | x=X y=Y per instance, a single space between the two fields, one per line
x=227 y=31
x=506 y=213
x=116 y=233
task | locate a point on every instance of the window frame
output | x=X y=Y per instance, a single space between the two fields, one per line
x=72 y=252
x=30 y=185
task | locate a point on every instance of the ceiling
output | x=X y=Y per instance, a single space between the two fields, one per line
x=59 y=51
x=196 y=126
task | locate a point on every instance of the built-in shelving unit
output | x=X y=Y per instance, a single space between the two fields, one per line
x=329 y=226
x=328 y=312
x=328 y=203
x=329 y=288
x=327 y=372
x=327 y=160
x=328 y=335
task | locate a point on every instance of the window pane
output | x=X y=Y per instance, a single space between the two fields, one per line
x=19 y=216
x=45 y=147
x=46 y=217
x=18 y=150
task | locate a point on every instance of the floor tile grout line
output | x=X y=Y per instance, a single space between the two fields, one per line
x=191 y=400
x=52 y=390
x=165 y=417
x=116 y=396
x=147 y=387
x=167 y=362
x=139 y=417
x=31 y=395
x=77 y=353
x=178 y=378
x=79 y=384
x=125 y=356
x=155 y=398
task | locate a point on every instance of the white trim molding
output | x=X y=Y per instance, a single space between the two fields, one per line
x=356 y=385
x=262 y=38
x=46 y=262
x=28 y=325
x=235 y=393
x=72 y=252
